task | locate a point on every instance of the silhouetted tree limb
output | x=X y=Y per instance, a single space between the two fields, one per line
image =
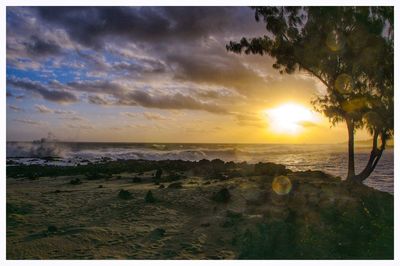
x=348 y=49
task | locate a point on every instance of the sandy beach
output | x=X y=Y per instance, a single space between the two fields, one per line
x=81 y=217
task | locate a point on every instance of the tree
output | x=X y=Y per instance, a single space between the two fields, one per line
x=349 y=50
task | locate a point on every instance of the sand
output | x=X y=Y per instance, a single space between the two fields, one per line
x=53 y=219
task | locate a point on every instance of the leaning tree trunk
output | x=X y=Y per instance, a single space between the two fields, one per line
x=350 y=167
x=374 y=158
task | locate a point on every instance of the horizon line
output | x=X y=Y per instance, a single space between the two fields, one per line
x=156 y=142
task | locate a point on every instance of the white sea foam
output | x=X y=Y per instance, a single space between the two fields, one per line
x=328 y=158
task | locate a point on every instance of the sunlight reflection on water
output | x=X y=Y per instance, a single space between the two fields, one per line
x=329 y=158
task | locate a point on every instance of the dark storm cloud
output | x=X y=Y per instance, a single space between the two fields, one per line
x=142 y=66
x=169 y=35
x=89 y=25
x=154 y=57
x=40 y=47
x=219 y=70
x=36 y=87
x=175 y=101
x=123 y=95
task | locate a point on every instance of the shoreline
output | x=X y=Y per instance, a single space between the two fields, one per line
x=53 y=166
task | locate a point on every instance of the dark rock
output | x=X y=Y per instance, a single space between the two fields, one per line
x=222 y=196
x=161 y=186
x=149 y=197
x=157 y=233
x=105 y=159
x=270 y=169
x=230 y=165
x=175 y=185
x=52 y=229
x=100 y=186
x=124 y=194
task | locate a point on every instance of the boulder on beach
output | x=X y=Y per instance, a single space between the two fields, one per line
x=157 y=233
x=149 y=198
x=124 y=194
x=175 y=185
x=270 y=169
x=52 y=229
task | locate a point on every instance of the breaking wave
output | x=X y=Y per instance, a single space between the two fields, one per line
x=328 y=158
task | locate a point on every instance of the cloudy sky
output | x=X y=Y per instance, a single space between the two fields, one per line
x=147 y=75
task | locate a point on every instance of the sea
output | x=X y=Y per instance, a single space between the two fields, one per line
x=330 y=158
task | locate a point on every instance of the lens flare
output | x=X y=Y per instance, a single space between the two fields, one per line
x=281 y=185
x=344 y=83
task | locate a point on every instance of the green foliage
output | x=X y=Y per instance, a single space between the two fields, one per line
x=268 y=241
x=364 y=231
x=349 y=49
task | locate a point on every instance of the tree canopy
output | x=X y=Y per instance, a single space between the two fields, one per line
x=348 y=49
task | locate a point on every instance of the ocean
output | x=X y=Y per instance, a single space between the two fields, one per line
x=328 y=158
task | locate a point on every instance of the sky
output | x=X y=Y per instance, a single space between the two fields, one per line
x=152 y=74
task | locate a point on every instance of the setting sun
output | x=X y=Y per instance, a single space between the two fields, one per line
x=289 y=118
